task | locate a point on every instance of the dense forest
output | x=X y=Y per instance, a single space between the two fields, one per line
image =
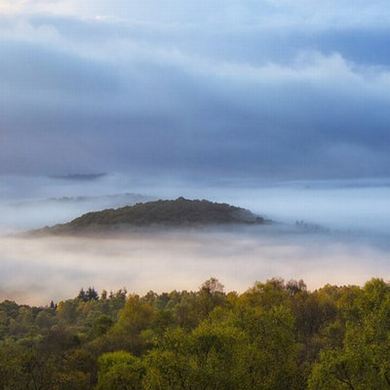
x=276 y=335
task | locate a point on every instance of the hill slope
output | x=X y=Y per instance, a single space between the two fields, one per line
x=174 y=213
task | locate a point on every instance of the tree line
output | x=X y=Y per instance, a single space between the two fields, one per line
x=276 y=335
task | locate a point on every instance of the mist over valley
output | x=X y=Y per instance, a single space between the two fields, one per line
x=321 y=232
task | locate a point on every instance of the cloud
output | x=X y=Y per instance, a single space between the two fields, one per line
x=280 y=13
x=248 y=90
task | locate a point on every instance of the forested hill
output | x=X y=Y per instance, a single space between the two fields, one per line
x=179 y=212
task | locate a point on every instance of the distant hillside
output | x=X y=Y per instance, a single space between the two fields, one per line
x=173 y=213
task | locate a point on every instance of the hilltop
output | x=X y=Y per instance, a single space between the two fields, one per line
x=172 y=213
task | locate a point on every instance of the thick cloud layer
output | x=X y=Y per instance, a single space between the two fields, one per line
x=292 y=89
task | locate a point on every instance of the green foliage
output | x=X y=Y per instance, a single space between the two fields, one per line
x=120 y=371
x=274 y=336
x=178 y=212
x=363 y=359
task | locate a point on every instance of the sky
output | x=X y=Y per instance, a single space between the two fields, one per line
x=290 y=89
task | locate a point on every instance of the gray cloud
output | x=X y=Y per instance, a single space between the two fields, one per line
x=247 y=90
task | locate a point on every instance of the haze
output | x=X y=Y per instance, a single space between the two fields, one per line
x=345 y=240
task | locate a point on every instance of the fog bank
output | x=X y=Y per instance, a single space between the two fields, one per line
x=352 y=247
x=348 y=205
x=37 y=270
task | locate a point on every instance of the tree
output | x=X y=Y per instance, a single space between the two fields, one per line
x=212 y=286
x=120 y=370
x=135 y=317
x=91 y=294
x=206 y=358
x=82 y=295
x=363 y=361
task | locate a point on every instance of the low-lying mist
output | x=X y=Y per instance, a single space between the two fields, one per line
x=36 y=270
x=353 y=247
x=33 y=202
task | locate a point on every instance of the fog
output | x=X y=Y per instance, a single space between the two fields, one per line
x=345 y=238
x=38 y=270
x=348 y=205
x=33 y=202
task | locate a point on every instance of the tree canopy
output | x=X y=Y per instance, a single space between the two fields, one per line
x=276 y=335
